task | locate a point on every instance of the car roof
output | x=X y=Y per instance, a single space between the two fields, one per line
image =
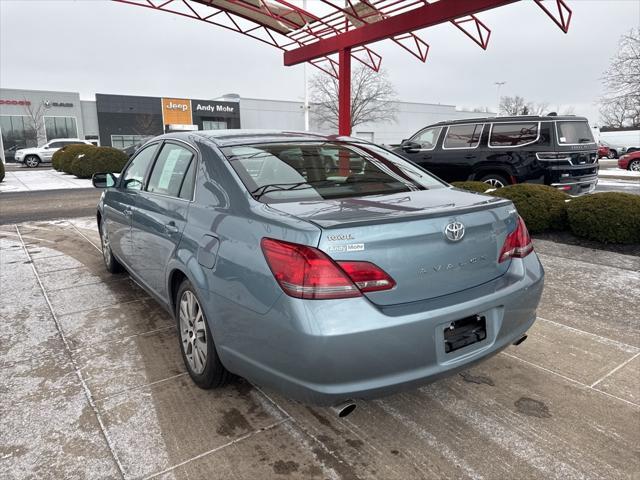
x=515 y=118
x=66 y=140
x=225 y=138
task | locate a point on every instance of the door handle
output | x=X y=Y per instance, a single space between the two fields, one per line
x=170 y=227
x=469 y=156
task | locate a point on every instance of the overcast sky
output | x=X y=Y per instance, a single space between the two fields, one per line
x=100 y=46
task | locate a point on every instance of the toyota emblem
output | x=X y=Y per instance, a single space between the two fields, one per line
x=454 y=231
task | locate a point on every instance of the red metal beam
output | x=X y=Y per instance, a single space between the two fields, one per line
x=563 y=19
x=344 y=92
x=422 y=17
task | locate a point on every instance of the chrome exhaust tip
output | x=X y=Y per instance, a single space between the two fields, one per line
x=343 y=409
x=520 y=340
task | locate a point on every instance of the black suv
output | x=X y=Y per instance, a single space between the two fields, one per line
x=554 y=150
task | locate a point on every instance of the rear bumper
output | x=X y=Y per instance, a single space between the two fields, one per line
x=323 y=352
x=576 y=186
x=623 y=163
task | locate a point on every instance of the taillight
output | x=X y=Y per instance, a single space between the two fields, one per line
x=367 y=276
x=517 y=244
x=306 y=272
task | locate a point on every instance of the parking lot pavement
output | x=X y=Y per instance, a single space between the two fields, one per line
x=93 y=386
x=618 y=185
x=37 y=179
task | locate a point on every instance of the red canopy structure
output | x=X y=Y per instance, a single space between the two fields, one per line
x=345 y=28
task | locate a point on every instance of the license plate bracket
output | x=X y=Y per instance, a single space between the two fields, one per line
x=464 y=332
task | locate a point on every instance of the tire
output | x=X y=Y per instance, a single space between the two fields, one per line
x=32 y=161
x=495 y=180
x=611 y=155
x=110 y=262
x=195 y=338
x=634 y=166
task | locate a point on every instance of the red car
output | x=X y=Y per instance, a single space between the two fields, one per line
x=603 y=151
x=630 y=161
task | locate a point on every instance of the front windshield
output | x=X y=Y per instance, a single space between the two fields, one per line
x=286 y=172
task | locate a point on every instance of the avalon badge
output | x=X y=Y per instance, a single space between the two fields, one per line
x=454 y=231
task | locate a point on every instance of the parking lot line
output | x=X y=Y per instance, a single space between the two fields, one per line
x=296 y=430
x=144 y=385
x=217 y=449
x=607 y=340
x=615 y=370
x=429 y=438
x=588 y=387
x=85 y=388
x=481 y=423
x=85 y=237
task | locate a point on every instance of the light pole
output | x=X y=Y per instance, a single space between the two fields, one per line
x=498 y=86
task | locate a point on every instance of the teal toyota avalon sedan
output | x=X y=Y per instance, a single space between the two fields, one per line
x=324 y=267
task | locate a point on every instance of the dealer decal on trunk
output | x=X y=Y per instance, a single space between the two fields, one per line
x=352 y=247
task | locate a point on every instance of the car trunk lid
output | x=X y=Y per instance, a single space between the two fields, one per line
x=404 y=234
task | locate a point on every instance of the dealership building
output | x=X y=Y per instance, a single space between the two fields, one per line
x=33 y=117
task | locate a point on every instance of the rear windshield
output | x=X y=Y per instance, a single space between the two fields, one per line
x=574 y=132
x=287 y=172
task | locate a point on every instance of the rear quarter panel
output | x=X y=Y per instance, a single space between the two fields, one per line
x=220 y=251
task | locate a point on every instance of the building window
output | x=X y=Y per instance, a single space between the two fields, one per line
x=60 y=127
x=124 y=141
x=213 y=125
x=18 y=131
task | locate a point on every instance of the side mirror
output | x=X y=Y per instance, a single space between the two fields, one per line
x=46 y=147
x=103 y=180
x=410 y=147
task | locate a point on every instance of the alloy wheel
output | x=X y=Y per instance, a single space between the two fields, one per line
x=634 y=166
x=193 y=332
x=494 y=182
x=31 y=162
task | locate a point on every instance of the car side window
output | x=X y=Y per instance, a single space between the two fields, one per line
x=172 y=172
x=56 y=145
x=133 y=177
x=513 y=134
x=428 y=138
x=463 y=136
x=186 y=192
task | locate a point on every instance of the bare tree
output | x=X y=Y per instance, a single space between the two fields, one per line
x=517 y=105
x=621 y=101
x=513 y=106
x=35 y=120
x=615 y=112
x=538 y=108
x=568 y=110
x=373 y=98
